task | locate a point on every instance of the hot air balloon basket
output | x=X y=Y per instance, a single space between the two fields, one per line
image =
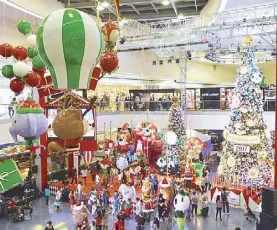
x=47 y=88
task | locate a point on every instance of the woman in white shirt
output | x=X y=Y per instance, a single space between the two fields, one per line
x=84 y=175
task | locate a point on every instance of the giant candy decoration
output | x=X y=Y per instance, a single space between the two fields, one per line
x=29 y=121
x=70 y=44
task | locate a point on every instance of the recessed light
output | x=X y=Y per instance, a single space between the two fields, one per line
x=100 y=8
x=181 y=17
x=165 y=2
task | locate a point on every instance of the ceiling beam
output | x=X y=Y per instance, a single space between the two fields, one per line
x=135 y=9
x=174 y=7
x=122 y=2
x=196 y=7
x=153 y=5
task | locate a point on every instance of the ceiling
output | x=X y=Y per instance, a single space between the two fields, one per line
x=141 y=10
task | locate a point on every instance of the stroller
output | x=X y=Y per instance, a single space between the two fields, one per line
x=58 y=205
x=249 y=215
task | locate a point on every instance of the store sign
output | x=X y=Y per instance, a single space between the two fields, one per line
x=242 y=148
x=244 y=140
x=210 y=94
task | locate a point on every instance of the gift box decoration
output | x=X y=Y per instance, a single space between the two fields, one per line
x=46 y=87
x=9 y=175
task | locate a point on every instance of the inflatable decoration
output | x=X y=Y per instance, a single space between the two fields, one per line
x=16 y=85
x=73 y=35
x=20 y=53
x=181 y=204
x=69 y=124
x=166 y=189
x=128 y=192
x=20 y=69
x=80 y=216
x=32 y=41
x=29 y=122
x=24 y=27
x=122 y=163
x=147 y=206
x=110 y=33
x=134 y=170
x=32 y=79
x=194 y=146
x=109 y=62
x=38 y=64
x=31 y=52
x=54 y=147
x=7 y=71
x=6 y=50
x=158 y=146
x=124 y=138
x=109 y=144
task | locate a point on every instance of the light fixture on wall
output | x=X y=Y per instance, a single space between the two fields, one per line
x=154 y=63
x=161 y=62
x=169 y=62
x=177 y=61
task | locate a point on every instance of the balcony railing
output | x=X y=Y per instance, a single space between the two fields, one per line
x=7 y=112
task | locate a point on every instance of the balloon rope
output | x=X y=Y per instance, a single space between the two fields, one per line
x=98 y=16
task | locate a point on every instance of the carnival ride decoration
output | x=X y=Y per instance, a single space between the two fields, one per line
x=166 y=189
x=29 y=122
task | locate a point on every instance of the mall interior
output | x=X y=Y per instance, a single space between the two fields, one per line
x=138 y=114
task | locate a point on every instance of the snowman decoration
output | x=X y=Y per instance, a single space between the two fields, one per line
x=128 y=192
x=161 y=163
x=181 y=204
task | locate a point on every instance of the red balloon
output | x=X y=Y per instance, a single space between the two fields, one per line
x=32 y=79
x=109 y=62
x=20 y=53
x=16 y=85
x=6 y=50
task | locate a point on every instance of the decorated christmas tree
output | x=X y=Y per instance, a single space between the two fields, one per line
x=247 y=157
x=176 y=124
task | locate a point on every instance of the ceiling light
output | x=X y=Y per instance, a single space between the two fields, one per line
x=100 y=8
x=181 y=17
x=165 y=2
x=124 y=21
x=105 y=4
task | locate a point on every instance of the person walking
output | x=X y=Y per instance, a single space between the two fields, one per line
x=205 y=207
x=167 y=215
x=156 y=224
x=80 y=191
x=93 y=172
x=112 y=174
x=224 y=197
x=138 y=206
x=47 y=195
x=218 y=207
x=98 y=181
x=84 y=172
x=161 y=205
x=119 y=177
x=194 y=202
x=72 y=199
x=49 y=226
x=74 y=176
x=106 y=195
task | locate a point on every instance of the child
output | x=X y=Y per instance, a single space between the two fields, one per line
x=93 y=225
x=99 y=220
x=47 y=195
x=156 y=224
x=218 y=207
x=105 y=220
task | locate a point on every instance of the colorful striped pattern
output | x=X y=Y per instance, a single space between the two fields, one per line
x=70 y=44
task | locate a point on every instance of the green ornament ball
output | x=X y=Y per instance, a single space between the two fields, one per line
x=38 y=63
x=31 y=52
x=7 y=71
x=24 y=27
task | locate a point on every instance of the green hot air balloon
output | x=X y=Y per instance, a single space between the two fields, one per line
x=24 y=27
x=70 y=44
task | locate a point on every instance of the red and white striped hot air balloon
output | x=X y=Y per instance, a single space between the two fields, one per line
x=88 y=156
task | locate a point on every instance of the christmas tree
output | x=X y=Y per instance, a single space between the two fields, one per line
x=176 y=124
x=247 y=157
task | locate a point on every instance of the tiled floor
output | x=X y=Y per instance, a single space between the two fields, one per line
x=63 y=221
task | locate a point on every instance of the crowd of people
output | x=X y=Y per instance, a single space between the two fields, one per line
x=103 y=200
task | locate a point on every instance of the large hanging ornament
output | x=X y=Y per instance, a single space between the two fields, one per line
x=231 y=162
x=248 y=40
x=69 y=43
x=38 y=63
x=171 y=138
x=20 y=69
x=32 y=79
x=253 y=173
x=6 y=50
x=24 y=27
x=31 y=52
x=31 y=41
x=20 y=53
x=109 y=62
x=110 y=34
x=16 y=85
x=257 y=77
x=7 y=71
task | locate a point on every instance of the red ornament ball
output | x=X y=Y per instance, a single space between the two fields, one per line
x=32 y=79
x=109 y=62
x=16 y=85
x=6 y=50
x=20 y=53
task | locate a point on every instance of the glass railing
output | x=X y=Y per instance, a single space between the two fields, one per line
x=6 y=111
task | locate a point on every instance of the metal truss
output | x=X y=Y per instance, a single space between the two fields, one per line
x=256 y=21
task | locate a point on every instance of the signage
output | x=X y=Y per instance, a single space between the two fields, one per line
x=210 y=94
x=244 y=140
x=242 y=148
